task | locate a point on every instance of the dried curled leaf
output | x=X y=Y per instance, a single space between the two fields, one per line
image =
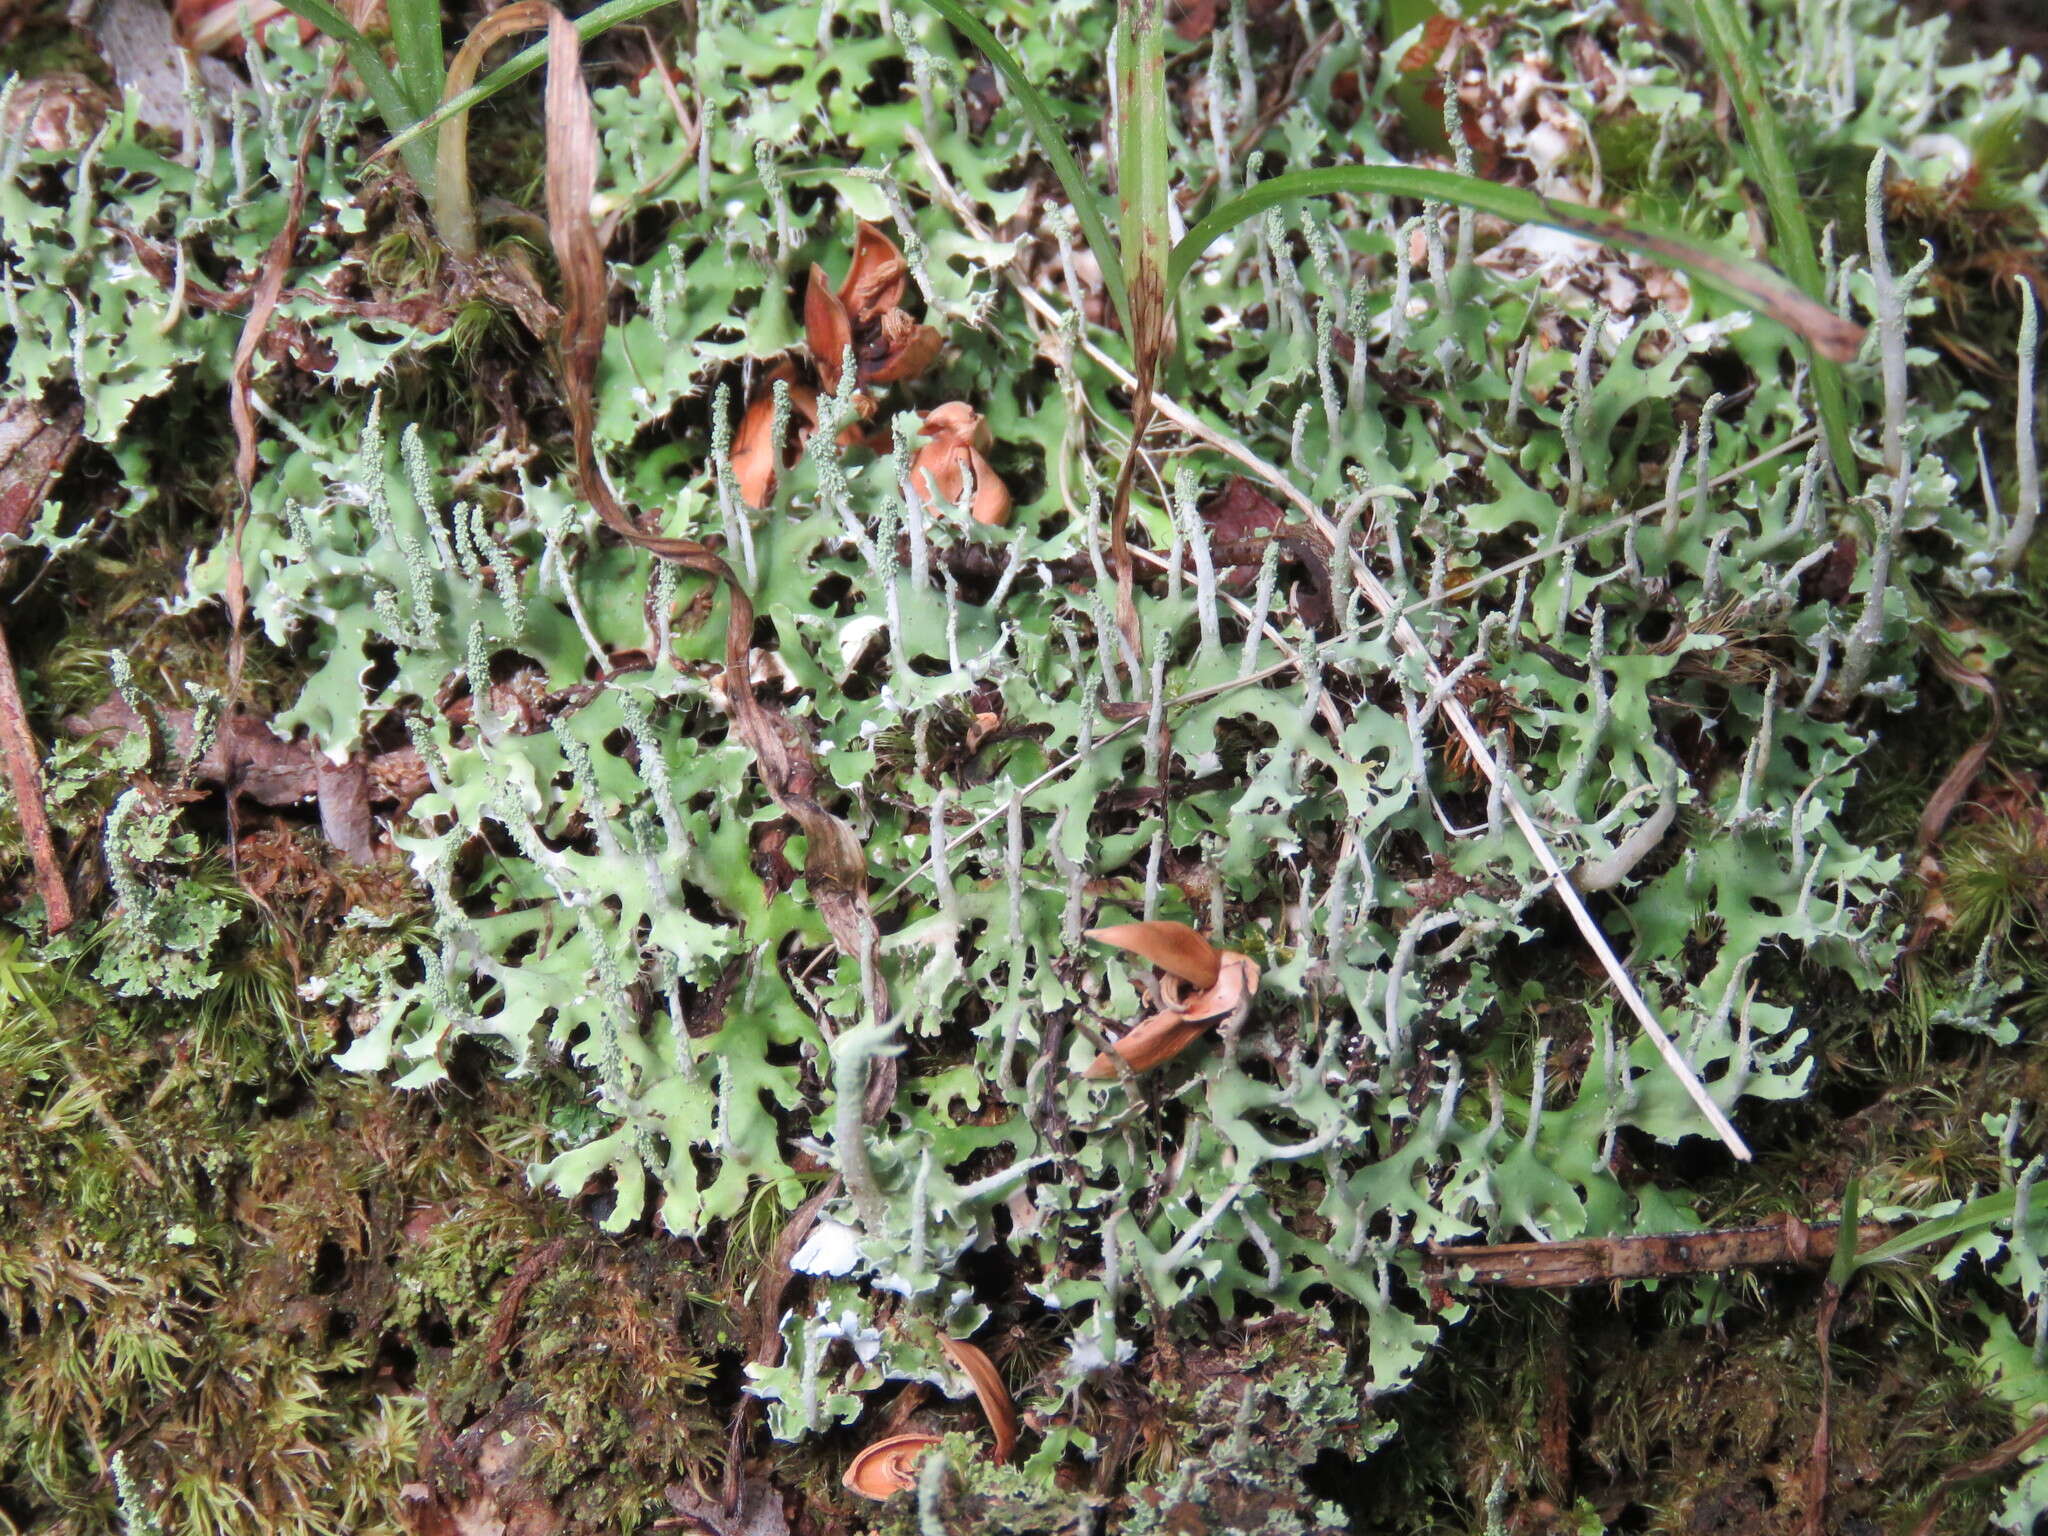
x=942 y=466
x=828 y=329
x=1153 y=1043
x=866 y=314
x=1174 y=947
x=875 y=279
x=1237 y=978
x=1204 y=988
x=755 y=460
x=888 y=1466
x=899 y=349
x=988 y=1387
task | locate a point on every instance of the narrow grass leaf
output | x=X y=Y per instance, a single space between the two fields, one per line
x=1732 y=48
x=1830 y=335
x=416 y=38
x=1051 y=130
x=393 y=104
x=601 y=20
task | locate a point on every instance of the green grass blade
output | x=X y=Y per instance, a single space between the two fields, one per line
x=1052 y=143
x=416 y=36
x=1845 y=1265
x=393 y=104
x=1732 y=48
x=1980 y=1215
x=1750 y=281
x=613 y=13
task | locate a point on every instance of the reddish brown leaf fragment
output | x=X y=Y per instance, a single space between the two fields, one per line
x=828 y=330
x=1174 y=947
x=888 y=1466
x=899 y=349
x=755 y=460
x=940 y=470
x=1151 y=1043
x=874 y=280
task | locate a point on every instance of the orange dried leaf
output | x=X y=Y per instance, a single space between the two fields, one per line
x=874 y=281
x=901 y=349
x=1152 y=1043
x=753 y=455
x=827 y=330
x=1174 y=947
x=988 y=1387
x=1428 y=53
x=1237 y=978
x=940 y=470
x=756 y=461
x=889 y=1466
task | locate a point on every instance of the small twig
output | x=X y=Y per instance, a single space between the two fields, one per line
x=25 y=777
x=1602 y=1260
x=507 y=1319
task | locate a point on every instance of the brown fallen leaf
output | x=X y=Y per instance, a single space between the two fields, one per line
x=939 y=472
x=1151 y=1043
x=1237 y=978
x=1174 y=947
x=866 y=313
x=902 y=349
x=875 y=278
x=59 y=111
x=755 y=460
x=1201 y=988
x=888 y=1466
x=828 y=329
x=988 y=1387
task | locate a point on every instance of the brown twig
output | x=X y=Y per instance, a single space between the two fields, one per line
x=1598 y=1260
x=25 y=777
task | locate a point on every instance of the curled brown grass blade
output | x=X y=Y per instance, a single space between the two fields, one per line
x=989 y=1388
x=455 y=209
x=834 y=865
